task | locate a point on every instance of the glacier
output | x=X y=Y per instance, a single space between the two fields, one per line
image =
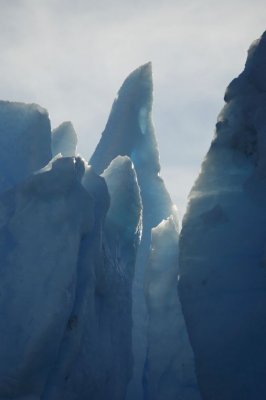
x=101 y=295
x=222 y=245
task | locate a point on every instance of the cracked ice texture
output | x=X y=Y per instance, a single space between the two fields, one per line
x=223 y=242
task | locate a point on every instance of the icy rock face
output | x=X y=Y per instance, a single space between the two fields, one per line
x=42 y=223
x=25 y=141
x=169 y=370
x=64 y=140
x=129 y=131
x=102 y=366
x=222 y=246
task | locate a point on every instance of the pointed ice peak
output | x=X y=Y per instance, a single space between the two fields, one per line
x=126 y=206
x=253 y=79
x=129 y=129
x=257 y=49
x=122 y=168
x=121 y=163
x=138 y=85
x=256 y=63
x=141 y=74
x=64 y=140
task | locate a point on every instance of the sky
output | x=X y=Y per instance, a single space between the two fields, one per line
x=71 y=57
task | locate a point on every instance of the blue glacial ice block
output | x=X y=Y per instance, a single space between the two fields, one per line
x=222 y=245
x=43 y=221
x=169 y=367
x=25 y=141
x=64 y=140
x=129 y=131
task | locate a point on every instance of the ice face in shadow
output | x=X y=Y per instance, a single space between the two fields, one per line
x=25 y=141
x=129 y=131
x=121 y=240
x=70 y=376
x=222 y=245
x=101 y=358
x=169 y=367
x=64 y=140
x=42 y=223
x=126 y=207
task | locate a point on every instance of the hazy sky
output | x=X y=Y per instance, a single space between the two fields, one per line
x=71 y=56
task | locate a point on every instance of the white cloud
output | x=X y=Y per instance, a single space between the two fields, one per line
x=71 y=57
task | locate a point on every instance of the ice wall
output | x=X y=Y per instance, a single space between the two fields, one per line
x=169 y=368
x=222 y=245
x=25 y=141
x=42 y=223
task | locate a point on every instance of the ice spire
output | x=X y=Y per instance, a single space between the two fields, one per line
x=129 y=131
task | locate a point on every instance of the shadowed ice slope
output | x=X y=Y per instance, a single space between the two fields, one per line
x=42 y=223
x=222 y=246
